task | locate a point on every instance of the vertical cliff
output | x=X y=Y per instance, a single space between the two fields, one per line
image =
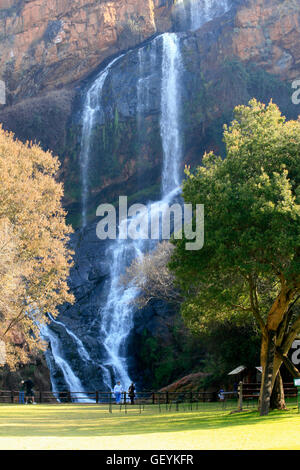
x=49 y=43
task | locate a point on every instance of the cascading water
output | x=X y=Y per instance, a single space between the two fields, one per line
x=91 y=108
x=74 y=384
x=117 y=310
x=117 y=314
x=170 y=113
x=147 y=57
x=80 y=347
x=192 y=14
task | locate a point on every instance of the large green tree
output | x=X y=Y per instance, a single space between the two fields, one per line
x=250 y=261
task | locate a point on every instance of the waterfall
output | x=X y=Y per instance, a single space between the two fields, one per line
x=170 y=110
x=80 y=348
x=147 y=57
x=117 y=310
x=92 y=107
x=72 y=381
x=192 y=14
x=117 y=314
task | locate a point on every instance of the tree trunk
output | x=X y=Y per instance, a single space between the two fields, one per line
x=277 y=401
x=268 y=356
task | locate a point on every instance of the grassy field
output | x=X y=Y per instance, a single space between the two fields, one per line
x=77 y=426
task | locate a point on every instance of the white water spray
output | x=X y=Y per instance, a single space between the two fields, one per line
x=170 y=113
x=92 y=106
x=118 y=310
x=80 y=347
x=192 y=14
x=117 y=314
x=72 y=381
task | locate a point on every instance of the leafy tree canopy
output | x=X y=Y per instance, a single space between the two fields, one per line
x=252 y=213
x=250 y=262
x=34 y=257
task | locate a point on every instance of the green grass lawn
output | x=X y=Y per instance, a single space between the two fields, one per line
x=77 y=426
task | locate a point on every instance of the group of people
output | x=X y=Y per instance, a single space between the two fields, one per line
x=118 y=390
x=26 y=393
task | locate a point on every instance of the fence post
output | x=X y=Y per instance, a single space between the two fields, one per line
x=97 y=396
x=41 y=397
x=240 y=402
x=153 y=398
x=12 y=396
x=110 y=404
x=125 y=402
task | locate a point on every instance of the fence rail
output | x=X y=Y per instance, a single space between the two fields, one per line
x=251 y=390
x=148 y=402
x=245 y=397
x=154 y=398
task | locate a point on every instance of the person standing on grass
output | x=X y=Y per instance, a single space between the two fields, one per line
x=29 y=392
x=22 y=393
x=131 y=393
x=117 y=392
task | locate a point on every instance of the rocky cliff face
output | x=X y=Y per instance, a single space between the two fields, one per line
x=267 y=32
x=222 y=68
x=48 y=44
x=50 y=52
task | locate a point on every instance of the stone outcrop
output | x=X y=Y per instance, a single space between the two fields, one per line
x=267 y=32
x=50 y=44
x=47 y=44
x=188 y=383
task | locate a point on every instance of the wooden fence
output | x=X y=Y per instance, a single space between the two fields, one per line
x=153 y=398
x=250 y=393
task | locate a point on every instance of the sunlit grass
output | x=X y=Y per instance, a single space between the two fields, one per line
x=79 y=426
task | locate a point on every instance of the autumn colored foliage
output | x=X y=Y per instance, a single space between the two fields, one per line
x=34 y=256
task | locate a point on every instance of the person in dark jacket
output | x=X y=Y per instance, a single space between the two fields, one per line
x=29 y=393
x=131 y=393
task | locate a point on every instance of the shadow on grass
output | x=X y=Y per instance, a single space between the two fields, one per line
x=92 y=420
